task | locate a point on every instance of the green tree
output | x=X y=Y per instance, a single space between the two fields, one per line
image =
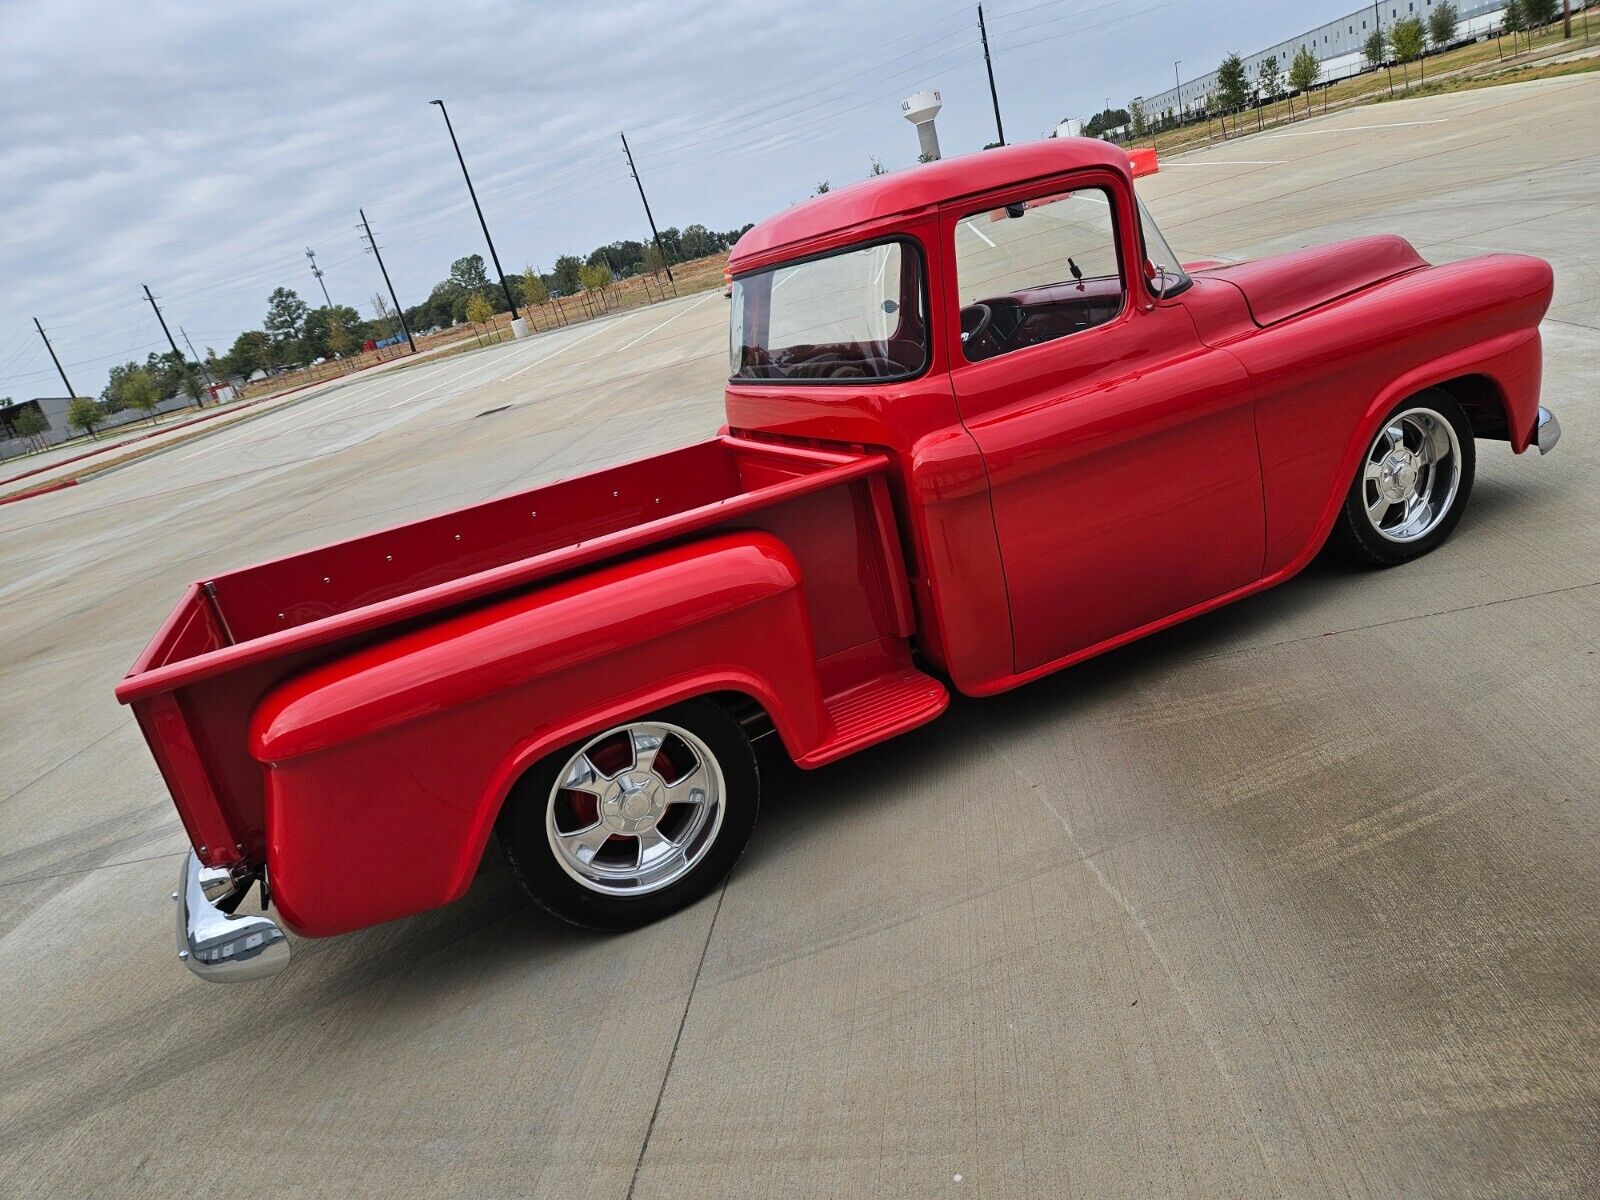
x=1304 y=72
x=877 y=165
x=1407 y=40
x=654 y=261
x=251 y=351
x=1514 y=20
x=1270 y=82
x=1270 y=78
x=1232 y=88
x=1538 y=14
x=83 y=413
x=339 y=338
x=823 y=186
x=1372 y=49
x=193 y=388
x=340 y=329
x=112 y=399
x=139 y=391
x=479 y=310
x=29 y=424
x=469 y=274
x=1442 y=24
x=286 y=315
x=534 y=290
x=565 y=274
x=1138 y=122
x=168 y=370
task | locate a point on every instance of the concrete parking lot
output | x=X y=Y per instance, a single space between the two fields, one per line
x=1300 y=899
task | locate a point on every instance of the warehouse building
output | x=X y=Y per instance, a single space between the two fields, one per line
x=1337 y=45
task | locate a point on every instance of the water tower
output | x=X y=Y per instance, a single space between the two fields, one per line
x=920 y=108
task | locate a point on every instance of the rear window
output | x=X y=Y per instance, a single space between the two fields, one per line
x=849 y=316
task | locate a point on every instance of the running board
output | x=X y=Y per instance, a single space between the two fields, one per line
x=878 y=709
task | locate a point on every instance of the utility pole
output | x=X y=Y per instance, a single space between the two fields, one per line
x=204 y=370
x=372 y=245
x=183 y=363
x=660 y=249
x=994 y=96
x=311 y=256
x=163 y=321
x=495 y=258
x=1177 y=89
x=64 y=381
x=1377 y=18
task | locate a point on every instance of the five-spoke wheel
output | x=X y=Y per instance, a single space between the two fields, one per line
x=1412 y=483
x=636 y=821
x=636 y=808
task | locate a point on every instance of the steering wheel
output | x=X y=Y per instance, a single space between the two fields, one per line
x=985 y=318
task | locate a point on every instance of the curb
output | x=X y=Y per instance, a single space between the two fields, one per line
x=43 y=490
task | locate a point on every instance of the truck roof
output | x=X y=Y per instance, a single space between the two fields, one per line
x=914 y=189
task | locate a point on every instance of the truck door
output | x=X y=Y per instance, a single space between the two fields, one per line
x=1121 y=451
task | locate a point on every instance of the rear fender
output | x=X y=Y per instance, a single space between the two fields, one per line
x=385 y=769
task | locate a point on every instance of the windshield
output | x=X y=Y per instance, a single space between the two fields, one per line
x=856 y=314
x=1159 y=254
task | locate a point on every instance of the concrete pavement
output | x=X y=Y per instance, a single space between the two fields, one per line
x=1298 y=899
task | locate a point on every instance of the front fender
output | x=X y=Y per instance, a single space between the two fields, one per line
x=385 y=769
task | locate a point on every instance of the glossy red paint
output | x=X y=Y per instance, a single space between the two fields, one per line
x=354 y=716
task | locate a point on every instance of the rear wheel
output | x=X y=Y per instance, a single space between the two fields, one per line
x=1411 y=485
x=636 y=822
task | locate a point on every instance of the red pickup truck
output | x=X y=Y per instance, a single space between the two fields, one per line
x=981 y=425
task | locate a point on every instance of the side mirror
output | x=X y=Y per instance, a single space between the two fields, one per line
x=1158 y=279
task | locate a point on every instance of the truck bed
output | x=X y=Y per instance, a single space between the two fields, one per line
x=236 y=635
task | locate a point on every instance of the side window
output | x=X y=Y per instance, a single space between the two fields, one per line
x=1035 y=271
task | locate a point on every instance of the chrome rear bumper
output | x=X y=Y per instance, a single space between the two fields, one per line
x=1547 y=431
x=212 y=942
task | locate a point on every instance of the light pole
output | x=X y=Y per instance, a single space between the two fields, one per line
x=1177 y=88
x=495 y=258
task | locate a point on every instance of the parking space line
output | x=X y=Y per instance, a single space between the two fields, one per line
x=665 y=323
x=1349 y=128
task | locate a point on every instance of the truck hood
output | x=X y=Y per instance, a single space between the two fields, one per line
x=1286 y=285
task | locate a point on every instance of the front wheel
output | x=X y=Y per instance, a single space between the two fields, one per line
x=1411 y=485
x=636 y=822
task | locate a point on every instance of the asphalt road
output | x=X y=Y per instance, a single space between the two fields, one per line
x=1301 y=899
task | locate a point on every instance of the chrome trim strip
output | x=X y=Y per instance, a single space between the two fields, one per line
x=216 y=945
x=1547 y=432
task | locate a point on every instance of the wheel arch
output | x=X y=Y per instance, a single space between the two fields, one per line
x=1482 y=389
x=1484 y=401
x=355 y=746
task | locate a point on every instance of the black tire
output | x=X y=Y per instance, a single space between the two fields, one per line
x=1354 y=536
x=527 y=839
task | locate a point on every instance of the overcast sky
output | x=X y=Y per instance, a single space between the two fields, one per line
x=201 y=148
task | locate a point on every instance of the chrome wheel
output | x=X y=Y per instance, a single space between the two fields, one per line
x=635 y=809
x=1411 y=475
